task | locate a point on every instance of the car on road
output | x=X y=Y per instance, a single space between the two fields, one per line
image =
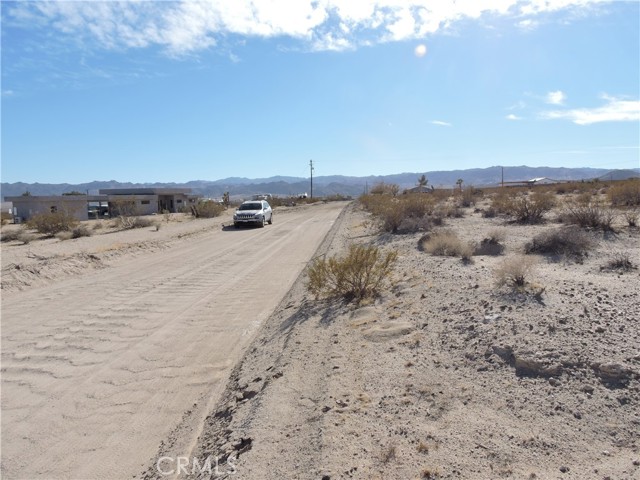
x=257 y=212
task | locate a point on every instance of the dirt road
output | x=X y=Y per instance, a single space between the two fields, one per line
x=97 y=370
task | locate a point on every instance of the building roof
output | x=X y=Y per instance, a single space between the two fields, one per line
x=145 y=191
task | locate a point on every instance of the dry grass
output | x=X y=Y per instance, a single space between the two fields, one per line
x=620 y=262
x=515 y=271
x=446 y=243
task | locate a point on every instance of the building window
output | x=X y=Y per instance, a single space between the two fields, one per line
x=145 y=202
x=179 y=201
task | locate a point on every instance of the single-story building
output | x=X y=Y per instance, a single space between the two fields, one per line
x=115 y=201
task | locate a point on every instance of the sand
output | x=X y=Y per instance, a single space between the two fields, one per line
x=112 y=342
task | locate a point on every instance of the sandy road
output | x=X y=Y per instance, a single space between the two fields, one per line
x=97 y=370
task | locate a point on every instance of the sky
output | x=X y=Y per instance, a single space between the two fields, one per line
x=172 y=91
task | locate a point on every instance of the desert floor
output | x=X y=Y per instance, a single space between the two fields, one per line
x=114 y=342
x=446 y=375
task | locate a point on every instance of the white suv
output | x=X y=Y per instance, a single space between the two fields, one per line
x=254 y=211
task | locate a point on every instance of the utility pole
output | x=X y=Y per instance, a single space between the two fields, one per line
x=502 y=177
x=311 y=167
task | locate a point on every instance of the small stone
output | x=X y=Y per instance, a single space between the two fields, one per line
x=599 y=329
x=554 y=382
x=577 y=414
x=564 y=469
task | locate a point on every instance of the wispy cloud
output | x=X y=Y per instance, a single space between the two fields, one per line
x=440 y=123
x=513 y=117
x=615 y=110
x=557 y=97
x=187 y=26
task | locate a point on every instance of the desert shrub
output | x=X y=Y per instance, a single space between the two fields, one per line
x=62 y=236
x=568 y=241
x=631 y=216
x=447 y=210
x=5 y=217
x=124 y=207
x=360 y=274
x=491 y=244
x=619 y=262
x=528 y=208
x=385 y=189
x=98 y=226
x=207 y=209
x=403 y=214
x=625 y=193
x=467 y=197
x=445 y=243
x=515 y=271
x=126 y=222
x=81 y=231
x=413 y=224
x=26 y=238
x=417 y=204
x=490 y=212
x=590 y=214
x=52 y=223
x=10 y=235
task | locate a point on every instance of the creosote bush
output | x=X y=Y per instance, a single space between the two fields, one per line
x=568 y=241
x=625 y=193
x=360 y=274
x=207 y=209
x=52 y=223
x=524 y=208
x=589 y=214
x=403 y=213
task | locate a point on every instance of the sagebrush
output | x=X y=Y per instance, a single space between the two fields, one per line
x=360 y=274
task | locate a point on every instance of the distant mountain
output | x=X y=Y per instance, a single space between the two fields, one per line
x=333 y=184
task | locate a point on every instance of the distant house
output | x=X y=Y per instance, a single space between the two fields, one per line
x=532 y=182
x=140 y=201
x=152 y=200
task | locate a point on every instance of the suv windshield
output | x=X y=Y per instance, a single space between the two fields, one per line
x=251 y=206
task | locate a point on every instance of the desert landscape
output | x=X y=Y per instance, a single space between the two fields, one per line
x=493 y=346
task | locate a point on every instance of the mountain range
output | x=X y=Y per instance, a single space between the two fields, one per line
x=333 y=184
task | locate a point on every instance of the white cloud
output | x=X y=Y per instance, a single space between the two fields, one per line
x=440 y=123
x=513 y=117
x=528 y=24
x=615 y=110
x=555 y=98
x=188 y=26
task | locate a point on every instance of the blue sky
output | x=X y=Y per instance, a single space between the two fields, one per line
x=178 y=91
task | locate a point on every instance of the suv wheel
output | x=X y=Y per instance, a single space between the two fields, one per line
x=271 y=219
x=262 y=222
